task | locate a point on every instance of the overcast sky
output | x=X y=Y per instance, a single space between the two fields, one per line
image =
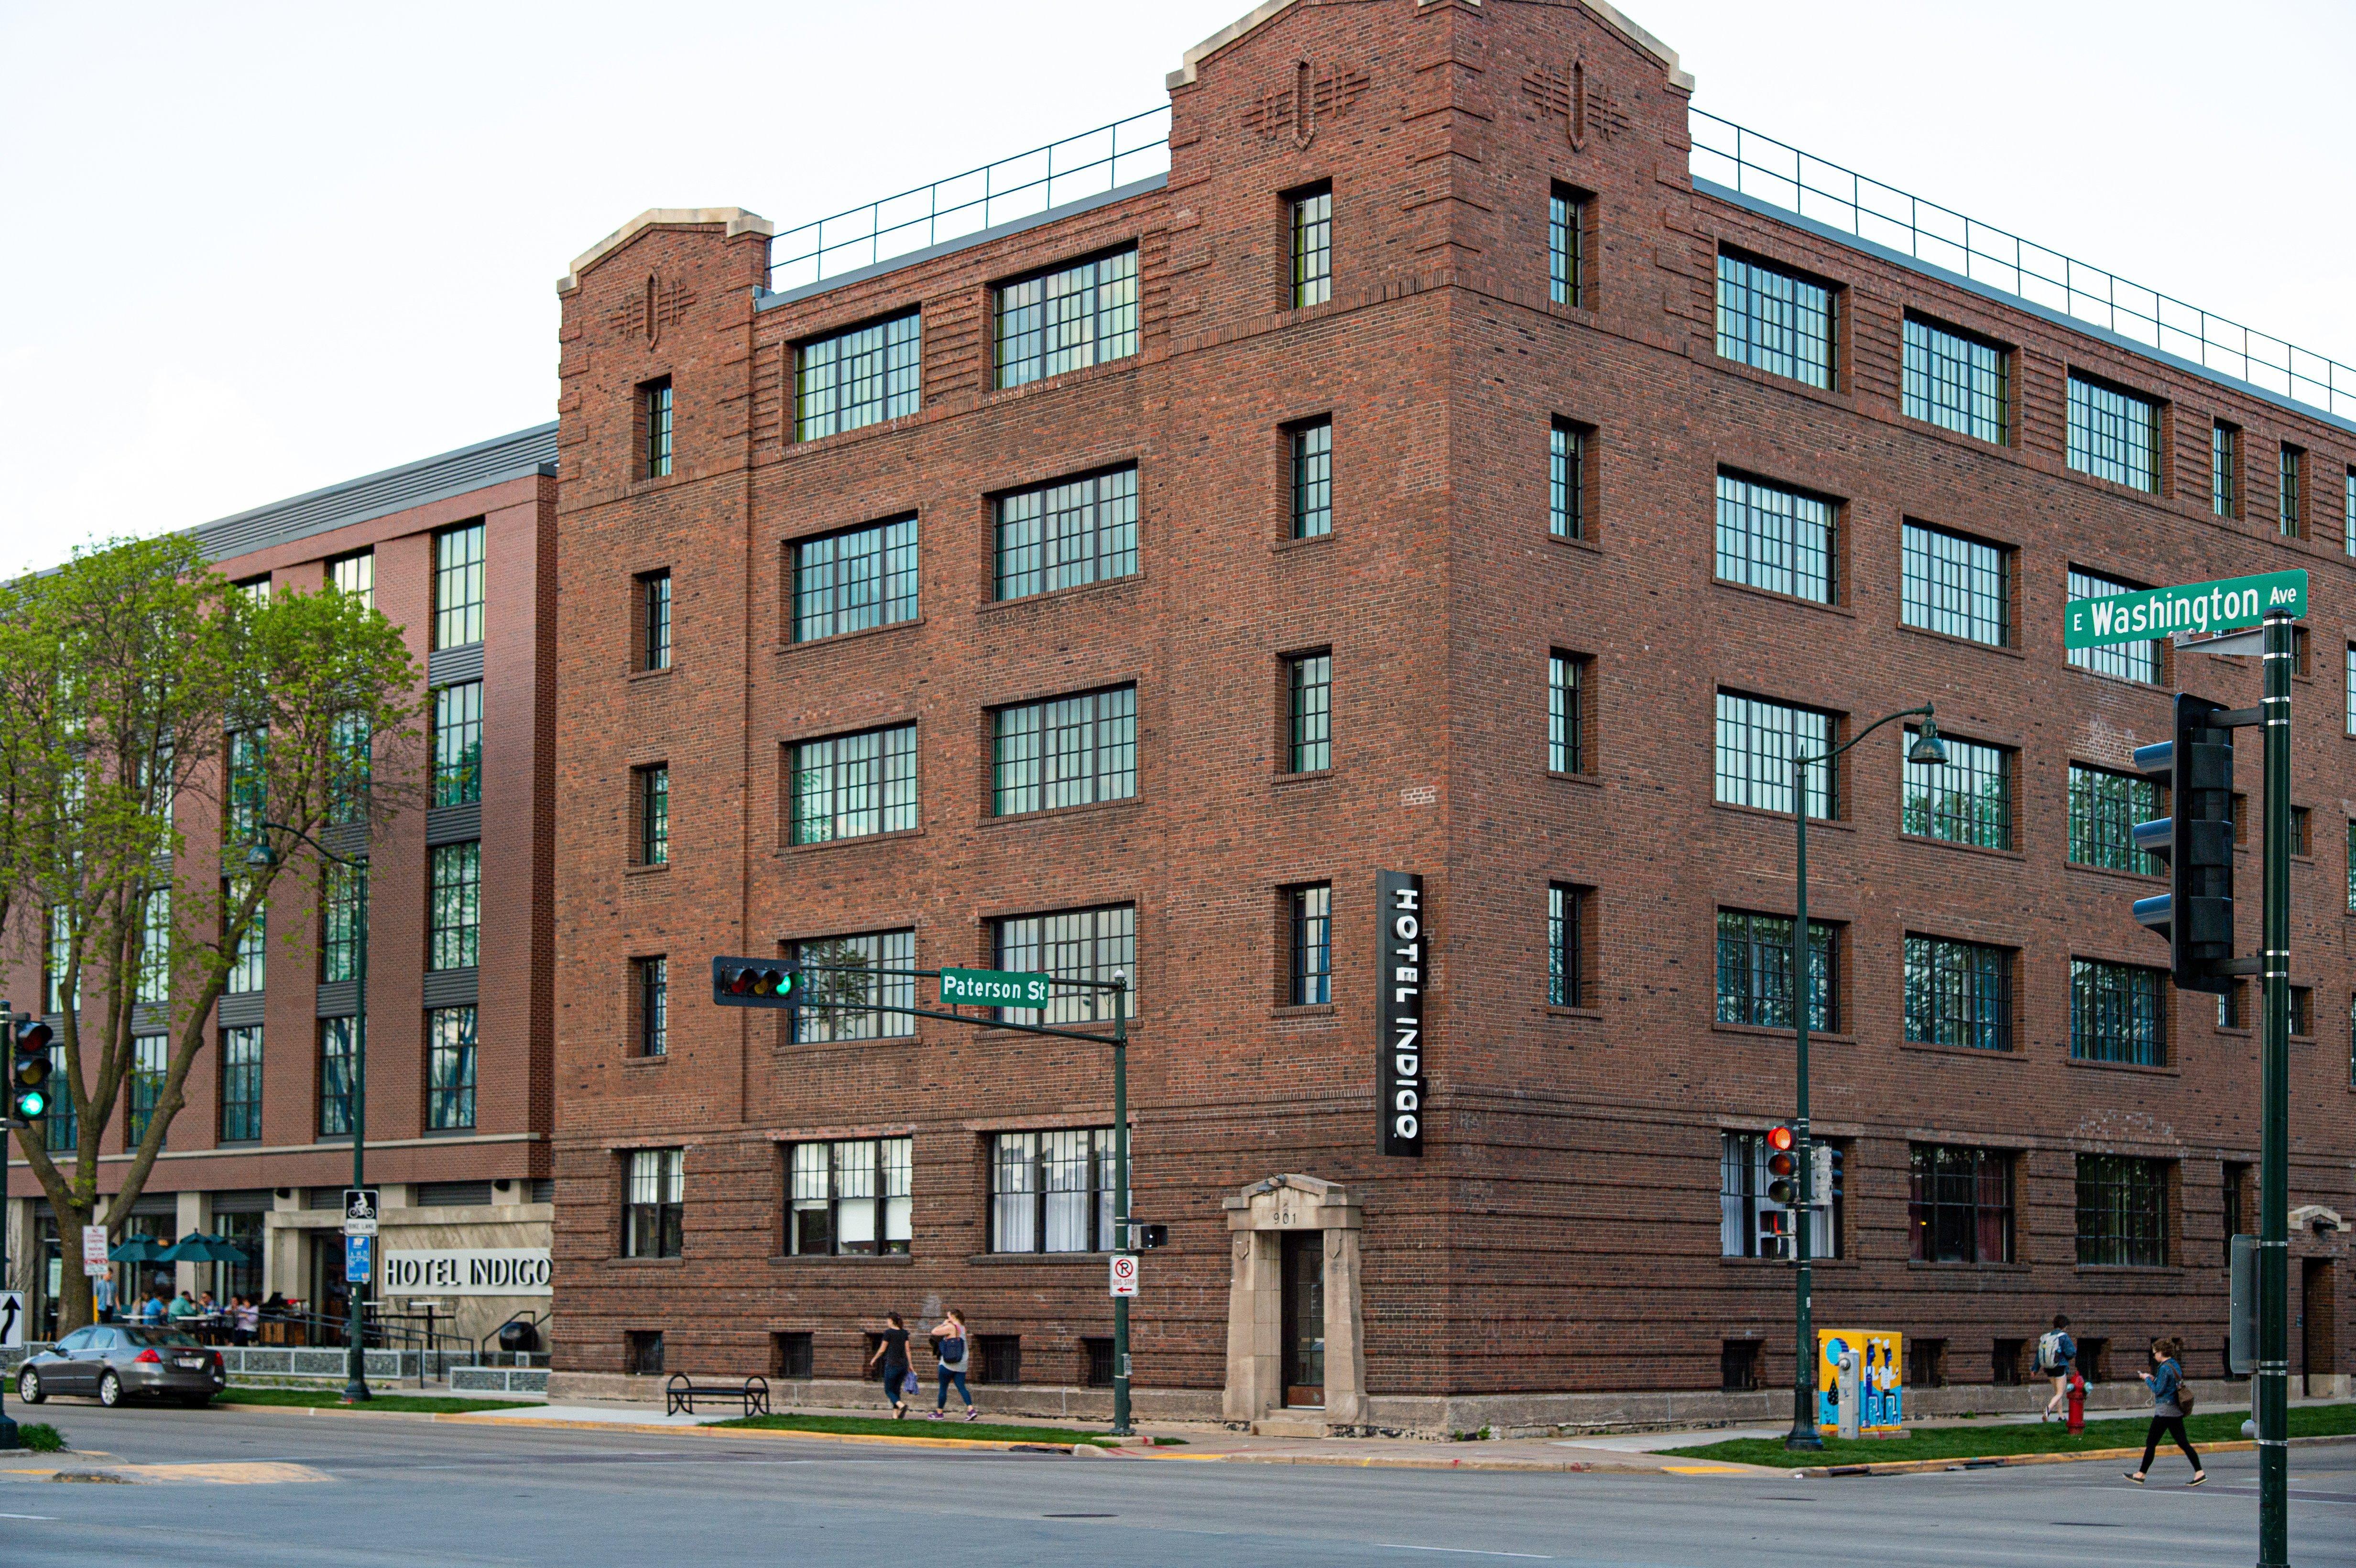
x=252 y=249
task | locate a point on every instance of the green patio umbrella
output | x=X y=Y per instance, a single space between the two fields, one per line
x=198 y=1247
x=139 y=1250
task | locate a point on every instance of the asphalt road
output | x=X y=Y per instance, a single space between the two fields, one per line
x=409 y=1492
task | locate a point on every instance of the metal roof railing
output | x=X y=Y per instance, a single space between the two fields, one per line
x=1768 y=170
x=1029 y=183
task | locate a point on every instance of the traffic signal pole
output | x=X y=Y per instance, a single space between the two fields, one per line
x=2270 y=1389
x=1803 y=1434
x=1122 y=1239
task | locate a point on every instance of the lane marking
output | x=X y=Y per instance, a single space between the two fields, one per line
x=1459 y=1551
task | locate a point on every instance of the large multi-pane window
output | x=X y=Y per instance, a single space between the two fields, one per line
x=1954 y=381
x=655 y=429
x=1754 y=971
x=1566 y=726
x=654 y=814
x=848 y=1199
x=1757 y=741
x=1565 y=238
x=1313 y=248
x=2349 y=686
x=850 y=582
x=653 y=1203
x=249 y=966
x=2126 y=661
x=1955 y=583
x=1779 y=539
x=1566 y=945
x=1311 y=983
x=654 y=620
x=62 y=1128
x=57 y=957
x=1968 y=801
x=1076 y=944
x=849 y=786
x=154 y=982
x=1753 y=1225
x=654 y=1006
x=2122 y=1210
x=2113 y=434
x=1067 y=320
x=450 y=1069
x=458 y=586
x=1309 y=713
x=1052 y=1192
x=458 y=744
x=336 y=1077
x=1567 y=481
x=355 y=575
x=1312 y=479
x=2116 y=1013
x=1067 y=533
x=1958 y=993
x=2224 y=469
x=1774 y=321
x=151 y=1060
x=454 y=906
x=1959 y=1204
x=351 y=753
x=343 y=898
x=1068 y=751
x=2289 y=492
x=2348 y=511
x=848 y=973
x=248 y=782
x=2105 y=806
x=858 y=378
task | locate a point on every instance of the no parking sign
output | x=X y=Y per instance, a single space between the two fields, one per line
x=1124 y=1273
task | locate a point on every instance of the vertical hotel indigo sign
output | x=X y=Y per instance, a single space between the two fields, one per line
x=1407 y=935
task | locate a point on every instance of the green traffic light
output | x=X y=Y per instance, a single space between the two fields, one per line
x=32 y=1104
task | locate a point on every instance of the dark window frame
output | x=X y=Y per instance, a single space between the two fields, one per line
x=1309 y=711
x=651 y=1005
x=1309 y=908
x=1568 y=210
x=1944 y=376
x=2108 y=1024
x=240 y=1085
x=657 y=414
x=1023 y=1172
x=1751 y=954
x=1769 y=315
x=1309 y=444
x=851 y=1183
x=655 y=606
x=1309 y=243
x=651 y=813
x=885 y=357
x=654 y=1202
x=1958 y=993
x=1034 y=325
x=2123 y=1212
x=1960 y=1204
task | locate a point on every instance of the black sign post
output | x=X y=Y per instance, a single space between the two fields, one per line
x=1404 y=963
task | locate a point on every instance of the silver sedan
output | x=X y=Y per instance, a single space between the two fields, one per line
x=115 y=1362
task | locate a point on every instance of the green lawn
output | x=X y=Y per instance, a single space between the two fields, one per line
x=1983 y=1442
x=916 y=1426
x=397 y=1402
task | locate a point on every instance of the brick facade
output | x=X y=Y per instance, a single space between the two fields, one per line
x=1560 y=1232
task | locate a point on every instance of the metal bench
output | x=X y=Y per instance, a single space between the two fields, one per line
x=681 y=1393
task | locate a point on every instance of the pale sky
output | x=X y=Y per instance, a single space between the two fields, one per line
x=250 y=250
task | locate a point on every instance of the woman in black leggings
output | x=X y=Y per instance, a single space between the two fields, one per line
x=2166 y=1381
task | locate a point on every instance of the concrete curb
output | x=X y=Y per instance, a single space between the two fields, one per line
x=2004 y=1461
x=494 y=1420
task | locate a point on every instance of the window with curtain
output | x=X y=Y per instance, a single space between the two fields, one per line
x=653 y=1205
x=1052 y=1192
x=850 y=1198
x=1959 y=1204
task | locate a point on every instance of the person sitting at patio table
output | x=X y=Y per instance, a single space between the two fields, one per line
x=152 y=1309
x=184 y=1305
x=245 y=1318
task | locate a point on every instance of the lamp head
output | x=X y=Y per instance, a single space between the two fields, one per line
x=259 y=856
x=1927 y=746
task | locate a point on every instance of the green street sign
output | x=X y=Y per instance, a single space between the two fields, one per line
x=2221 y=606
x=995 y=988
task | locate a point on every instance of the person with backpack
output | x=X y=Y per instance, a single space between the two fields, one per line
x=952 y=1345
x=2171 y=1401
x=892 y=1355
x=2056 y=1352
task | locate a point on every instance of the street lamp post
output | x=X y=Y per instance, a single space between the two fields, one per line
x=259 y=854
x=1927 y=748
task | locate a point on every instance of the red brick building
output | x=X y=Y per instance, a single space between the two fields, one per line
x=457 y=549
x=1437 y=472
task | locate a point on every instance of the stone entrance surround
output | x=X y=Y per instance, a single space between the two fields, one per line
x=1257 y=1218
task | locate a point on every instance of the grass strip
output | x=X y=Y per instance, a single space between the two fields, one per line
x=320 y=1398
x=884 y=1426
x=2013 y=1437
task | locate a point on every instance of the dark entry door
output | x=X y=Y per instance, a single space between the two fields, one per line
x=1305 y=1318
x=2317 y=1309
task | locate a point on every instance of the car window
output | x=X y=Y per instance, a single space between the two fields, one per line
x=151 y=1337
x=75 y=1341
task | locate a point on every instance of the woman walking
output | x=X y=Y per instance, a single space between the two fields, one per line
x=952 y=1344
x=2170 y=1400
x=891 y=1354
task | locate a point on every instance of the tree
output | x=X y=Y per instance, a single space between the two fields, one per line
x=152 y=719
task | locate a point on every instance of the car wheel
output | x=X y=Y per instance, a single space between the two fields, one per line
x=110 y=1390
x=29 y=1387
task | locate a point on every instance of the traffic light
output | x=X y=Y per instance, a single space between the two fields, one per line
x=2196 y=839
x=755 y=983
x=29 y=1074
x=1781 y=1168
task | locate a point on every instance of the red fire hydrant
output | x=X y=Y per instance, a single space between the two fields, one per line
x=2077 y=1391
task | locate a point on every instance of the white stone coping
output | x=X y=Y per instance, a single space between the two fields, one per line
x=1605 y=13
x=737 y=218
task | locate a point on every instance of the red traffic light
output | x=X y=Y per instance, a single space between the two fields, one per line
x=1779 y=1137
x=740 y=983
x=33 y=1035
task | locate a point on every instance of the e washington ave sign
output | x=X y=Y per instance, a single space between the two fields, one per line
x=2221 y=606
